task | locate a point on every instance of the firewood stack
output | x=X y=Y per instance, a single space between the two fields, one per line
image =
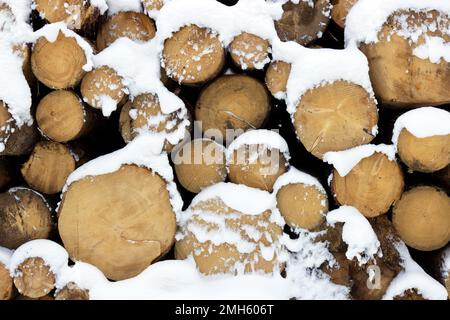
x=169 y=139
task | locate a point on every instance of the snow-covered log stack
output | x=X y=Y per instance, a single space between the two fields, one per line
x=225 y=150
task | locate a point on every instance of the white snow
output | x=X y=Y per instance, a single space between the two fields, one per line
x=267 y=138
x=295 y=176
x=357 y=233
x=101 y=5
x=238 y=197
x=54 y=255
x=422 y=123
x=366 y=18
x=5 y=256
x=345 y=161
x=445 y=266
x=115 y=6
x=434 y=49
x=414 y=277
x=144 y=151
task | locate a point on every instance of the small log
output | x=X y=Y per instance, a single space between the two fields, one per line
x=24 y=216
x=59 y=64
x=303 y=22
x=422 y=218
x=277 y=76
x=424 y=154
x=6 y=284
x=400 y=78
x=199 y=164
x=120 y=222
x=133 y=25
x=48 y=167
x=72 y=292
x=193 y=55
x=233 y=102
x=257 y=166
x=15 y=140
x=34 y=278
x=62 y=117
x=372 y=186
x=76 y=14
x=249 y=52
x=102 y=83
x=302 y=206
x=340 y=11
x=153 y=5
x=212 y=258
x=335 y=117
x=147 y=115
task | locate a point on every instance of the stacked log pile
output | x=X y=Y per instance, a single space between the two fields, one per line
x=155 y=139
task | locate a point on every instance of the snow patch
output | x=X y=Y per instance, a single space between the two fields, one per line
x=5 y=256
x=295 y=176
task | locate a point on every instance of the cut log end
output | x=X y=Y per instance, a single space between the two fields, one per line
x=120 y=222
x=59 y=64
x=302 y=206
x=335 y=117
x=199 y=164
x=422 y=218
x=48 y=167
x=72 y=292
x=24 y=216
x=184 y=55
x=61 y=116
x=249 y=52
x=424 y=154
x=6 y=284
x=372 y=186
x=303 y=22
x=232 y=102
x=133 y=25
x=340 y=11
x=102 y=84
x=34 y=279
x=277 y=76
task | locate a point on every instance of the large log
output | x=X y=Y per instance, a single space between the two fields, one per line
x=335 y=117
x=233 y=102
x=422 y=218
x=24 y=216
x=193 y=55
x=133 y=25
x=62 y=116
x=120 y=222
x=48 y=167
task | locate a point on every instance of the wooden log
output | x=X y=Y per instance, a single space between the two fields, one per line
x=340 y=11
x=24 y=216
x=76 y=14
x=100 y=84
x=302 y=206
x=212 y=258
x=62 y=116
x=133 y=25
x=59 y=64
x=249 y=52
x=339 y=273
x=422 y=218
x=6 y=283
x=399 y=77
x=372 y=186
x=335 y=117
x=303 y=22
x=184 y=57
x=72 y=292
x=233 y=102
x=6 y=172
x=199 y=164
x=15 y=140
x=424 y=154
x=34 y=278
x=46 y=298
x=48 y=167
x=120 y=222
x=277 y=76
x=410 y=294
x=148 y=116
